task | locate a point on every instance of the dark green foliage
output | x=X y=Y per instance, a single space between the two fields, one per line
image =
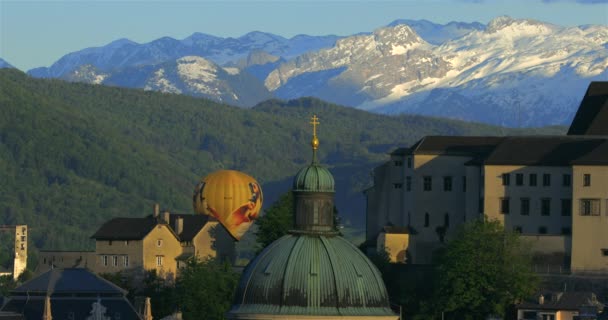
x=73 y=155
x=276 y=222
x=6 y=285
x=482 y=271
x=205 y=289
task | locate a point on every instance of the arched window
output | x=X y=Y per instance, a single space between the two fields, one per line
x=426 y=219
x=446 y=220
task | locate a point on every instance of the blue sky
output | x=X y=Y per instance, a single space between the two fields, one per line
x=37 y=33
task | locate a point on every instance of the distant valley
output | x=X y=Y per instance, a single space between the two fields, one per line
x=510 y=72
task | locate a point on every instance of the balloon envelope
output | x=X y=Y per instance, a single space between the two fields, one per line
x=232 y=197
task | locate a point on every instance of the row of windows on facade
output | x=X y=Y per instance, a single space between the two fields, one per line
x=427 y=184
x=159 y=242
x=543 y=230
x=545 y=206
x=533 y=179
x=105 y=261
x=587 y=207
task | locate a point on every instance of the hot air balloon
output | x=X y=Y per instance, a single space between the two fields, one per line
x=232 y=197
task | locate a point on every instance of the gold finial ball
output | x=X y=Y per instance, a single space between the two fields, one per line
x=315 y=143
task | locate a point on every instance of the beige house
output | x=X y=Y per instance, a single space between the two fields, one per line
x=560 y=306
x=161 y=242
x=551 y=189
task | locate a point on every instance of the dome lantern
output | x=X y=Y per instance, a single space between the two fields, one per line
x=313 y=190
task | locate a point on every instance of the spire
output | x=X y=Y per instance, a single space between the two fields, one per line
x=147 y=310
x=46 y=315
x=315 y=141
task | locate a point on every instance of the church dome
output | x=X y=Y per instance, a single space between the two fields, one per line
x=311 y=275
x=313 y=178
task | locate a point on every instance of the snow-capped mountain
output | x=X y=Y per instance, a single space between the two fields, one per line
x=513 y=72
x=439 y=33
x=4 y=64
x=191 y=75
x=126 y=53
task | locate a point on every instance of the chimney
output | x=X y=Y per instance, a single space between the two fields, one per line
x=166 y=215
x=156 y=210
x=179 y=225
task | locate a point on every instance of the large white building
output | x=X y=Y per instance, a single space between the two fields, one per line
x=552 y=189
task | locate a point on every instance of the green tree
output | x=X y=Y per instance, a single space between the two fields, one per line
x=482 y=271
x=276 y=222
x=205 y=289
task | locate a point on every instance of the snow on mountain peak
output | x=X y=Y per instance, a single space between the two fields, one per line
x=196 y=69
x=506 y=24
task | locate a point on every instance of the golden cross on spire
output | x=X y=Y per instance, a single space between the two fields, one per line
x=314 y=121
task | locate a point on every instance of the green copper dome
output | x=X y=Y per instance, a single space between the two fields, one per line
x=313 y=178
x=311 y=275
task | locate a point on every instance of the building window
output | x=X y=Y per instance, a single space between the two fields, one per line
x=398 y=185
x=566 y=231
x=546 y=179
x=506 y=179
x=605 y=252
x=159 y=261
x=566 y=207
x=126 y=242
x=586 y=180
x=110 y=242
x=408 y=183
x=519 y=179
x=428 y=183
x=159 y=242
x=104 y=260
x=525 y=206
x=566 y=180
x=409 y=162
x=464 y=184
x=125 y=261
x=447 y=183
x=480 y=205
x=115 y=261
x=518 y=229
x=504 y=205
x=532 y=178
x=398 y=163
x=427 y=219
x=542 y=230
x=590 y=207
x=545 y=206
x=446 y=220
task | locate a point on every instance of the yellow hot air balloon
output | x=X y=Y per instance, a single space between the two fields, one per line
x=232 y=197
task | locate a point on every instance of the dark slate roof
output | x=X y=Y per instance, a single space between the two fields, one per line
x=400 y=151
x=68 y=281
x=33 y=307
x=398 y=229
x=125 y=229
x=138 y=228
x=453 y=145
x=547 y=151
x=193 y=223
x=561 y=301
x=592 y=115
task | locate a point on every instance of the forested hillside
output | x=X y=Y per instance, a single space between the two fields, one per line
x=74 y=155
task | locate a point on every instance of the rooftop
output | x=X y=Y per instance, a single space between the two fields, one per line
x=138 y=228
x=592 y=115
